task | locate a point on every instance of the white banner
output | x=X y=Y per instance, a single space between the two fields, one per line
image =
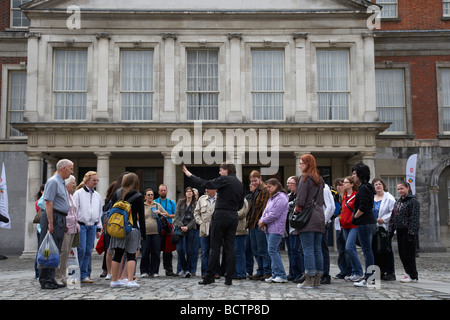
x=411 y=172
x=4 y=200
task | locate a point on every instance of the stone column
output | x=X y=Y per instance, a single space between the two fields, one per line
x=368 y=158
x=369 y=78
x=168 y=112
x=103 y=172
x=170 y=177
x=235 y=114
x=31 y=113
x=301 y=112
x=33 y=185
x=297 y=155
x=102 y=80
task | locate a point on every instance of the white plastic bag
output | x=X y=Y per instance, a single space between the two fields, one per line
x=48 y=253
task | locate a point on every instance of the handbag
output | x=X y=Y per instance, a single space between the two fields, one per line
x=37 y=217
x=298 y=220
x=100 y=248
x=380 y=241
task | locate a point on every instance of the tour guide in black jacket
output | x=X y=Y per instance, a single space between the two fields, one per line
x=224 y=220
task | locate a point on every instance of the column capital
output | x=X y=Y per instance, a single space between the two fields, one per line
x=237 y=36
x=102 y=154
x=300 y=35
x=165 y=36
x=103 y=35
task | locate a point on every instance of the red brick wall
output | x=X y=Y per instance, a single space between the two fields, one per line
x=417 y=15
x=423 y=92
x=5 y=7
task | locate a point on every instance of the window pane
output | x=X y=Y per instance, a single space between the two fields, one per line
x=445 y=82
x=202 y=84
x=333 y=84
x=70 y=84
x=390 y=98
x=267 y=84
x=17 y=98
x=137 y=84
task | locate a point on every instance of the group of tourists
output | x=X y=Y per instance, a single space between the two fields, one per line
x=238 y=235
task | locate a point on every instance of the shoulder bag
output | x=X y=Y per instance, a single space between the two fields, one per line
x=298 y=220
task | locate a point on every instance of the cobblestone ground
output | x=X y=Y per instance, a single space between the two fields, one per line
x=17 y=283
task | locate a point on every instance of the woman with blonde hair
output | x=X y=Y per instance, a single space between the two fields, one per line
x=130 y=244
x=309 y=191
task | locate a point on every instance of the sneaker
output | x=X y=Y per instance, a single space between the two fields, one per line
x=354 y=278
x=279 y=280
x=407 y=279
x=269 y=280
x=87 y=280
x=144 y=275
x=155 y=275
x=108 y=276
x=181 y=274
x=187 y=275
x=117 y=284
x=132 y=284
x=364 y=284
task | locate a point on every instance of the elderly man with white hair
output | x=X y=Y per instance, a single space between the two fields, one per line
x=53 y=218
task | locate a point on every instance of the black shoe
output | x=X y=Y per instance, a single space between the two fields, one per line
x=389 y=277
x=170 y=274
x=228 y=282
x=325 y=280
x=206 y=281
x=49 y=286
x=300 y=279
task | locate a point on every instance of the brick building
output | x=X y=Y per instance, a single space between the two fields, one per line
x=321 y=97
x=412 y=55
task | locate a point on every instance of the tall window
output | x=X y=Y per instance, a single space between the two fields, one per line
x=18 y=19
x=390 y=98
x=136 y=84
x=333 y=86
x=445 y=83
x=389 y=9
x=267 y=84
x=16 y=99
x=446 y=7
x=70 y=84
x=202 y=84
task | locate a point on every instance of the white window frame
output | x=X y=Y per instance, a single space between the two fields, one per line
x=349 y=83
x=392 y=182
x=384 y=3
x=408 y=104
x=201 y=92
x=401 y=107
x=86 y=91
x=151 y=92
x=7 y=69
x=440 y=94
x=281 y=91
x=446 y=8
x=23 y=18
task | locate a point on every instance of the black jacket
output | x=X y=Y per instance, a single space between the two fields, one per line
x=364 y=203
x=230 y=191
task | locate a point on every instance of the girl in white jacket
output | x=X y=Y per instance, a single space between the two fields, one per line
x=382 y=209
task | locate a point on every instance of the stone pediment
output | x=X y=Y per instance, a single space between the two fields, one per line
x=202 y=5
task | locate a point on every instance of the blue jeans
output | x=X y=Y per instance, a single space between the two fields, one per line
x=295 y=252
x=259 y=248
x=187 y=250
x=312 y=250
x=365 y=235
x=350 y=250
x=239 y=245
x=343 y=261
x=87 y=239
x=273 y=247
x=249 y=261
x=205 y=245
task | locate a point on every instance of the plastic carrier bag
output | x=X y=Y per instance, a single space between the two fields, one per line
x=48 y=253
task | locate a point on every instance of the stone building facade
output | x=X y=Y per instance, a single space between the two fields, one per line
x=115 y=86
